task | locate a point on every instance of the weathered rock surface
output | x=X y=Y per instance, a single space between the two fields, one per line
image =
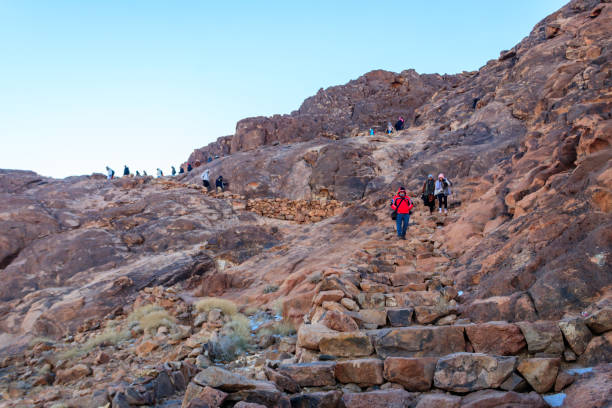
x=465 y=372
x=364 y=372
x=419 y=341
x=540 y=373
x=379 y=399
x=414 y=373
x=498 y=338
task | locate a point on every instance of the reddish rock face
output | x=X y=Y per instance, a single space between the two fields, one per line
x=497 y=338
x=310 y=374
x=350 y=344
x=600 y=321
x=598 y=350
x=204 y=395
x=542 y=337
x=72 y=374
x=338 y=321
x=439 y=401
x=576 y=333
x=592 y=389
x=363 y=372
x=415 y=374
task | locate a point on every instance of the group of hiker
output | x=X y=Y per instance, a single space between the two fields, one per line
x=433 y=190
x=399 y=125
x=219 y=183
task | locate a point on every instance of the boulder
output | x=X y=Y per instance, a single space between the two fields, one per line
x=540 y=373
x=564 y=379
x=334 y=295
x=498 y=399
x=206 y=395
x=363 y=372
x=592 y=389
x=283 y=382
x=400 y=317
x=600 y=321
x=466 y=372
x=145 y=348
x=392 y=398
x=515 y=383
x=73 y=373
x=244 y=404
x=348 y=344
x=414 y=373
x=324 y=399
x=217 y=377
x=371 y=300
x=377 y=317
x=543 y=337
x=419 y=341
x=310 y=335
x=439 y=401
x=316 y=374
x=598 y=351
x=576 y=333
x=338 y=321
x=499 y=338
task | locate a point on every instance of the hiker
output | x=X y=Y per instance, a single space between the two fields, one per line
x=189 y=168
x=126 y=170
x=429 y=198
x=173 y=171
x=219 y=184
x=399 y=125
x=144 y=173
x=110 y=173
x=206 y=179
x=159 y=173
x=209 y=159
x=137 y=173
x=389 y=128
x=371 y=131
x=442 y=191
x=181 y=170
x=402 y=205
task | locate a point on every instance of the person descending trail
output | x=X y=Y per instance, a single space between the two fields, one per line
x=189 y=168
x=144 y=173
x=442 y=191
x=110 y=173
x=389 y=128
x=181 y=170
x=137 y=173
x=402 y=205
x=159 y=173
x=219 y=184
x=206 y=179
x=126 y=170
x=173 y=171
x=429 y=198
x=399 y=125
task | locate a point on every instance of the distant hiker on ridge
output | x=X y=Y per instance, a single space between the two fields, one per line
x=110 y=173
x=429 y=198
x=389 y=128
x=173 y=171
x=219 y=184
x=126 y=170
x=206 y=179
x=137 y=173
x=399 y=125
x=181 y=170
x=144 y=173
x=189 y=168
x=442 y=191
x=159 y=173
x=401 y=205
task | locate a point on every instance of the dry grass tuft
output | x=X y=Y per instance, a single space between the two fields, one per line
x=228 y=307
x=280 y=328
x=151 y=317
x=108 y=337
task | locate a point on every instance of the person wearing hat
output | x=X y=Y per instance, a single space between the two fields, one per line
x=402 y=204
x=442 y=191
x=429 y=198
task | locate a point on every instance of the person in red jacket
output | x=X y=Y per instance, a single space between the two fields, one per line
x=402 y=204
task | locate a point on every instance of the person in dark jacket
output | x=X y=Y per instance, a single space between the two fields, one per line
x=399 y=125
x=137 y=173
x=173 y=171
x=429 y=198
x=219 y=184
x=181 y=170
x=402 y=204
x=126 y=170
x=189 y=168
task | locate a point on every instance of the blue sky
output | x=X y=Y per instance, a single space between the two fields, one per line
x=85 y=84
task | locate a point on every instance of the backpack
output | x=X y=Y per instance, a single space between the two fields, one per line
x=394 y=212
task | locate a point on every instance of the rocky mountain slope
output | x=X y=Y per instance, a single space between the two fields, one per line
x=499 y=302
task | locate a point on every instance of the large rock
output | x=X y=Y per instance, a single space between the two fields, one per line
x=499 y=338
x=576 y=333
x=543 y=337
x=283 y=382
x=328 y=399
x=598 y=351
x=540 y=373
x=495 y=399
x=419 y=341
x=363 y=372
x=338 y=321
x=207 y=395
x=466 y=372
x=439 y=401
x=315 y=374
x=217 y=377
x=310 y=335
x=400 y=317
x=379 y=399
x=591 y=389
x=414 y=373
x=73 y=373
x=349 y=344
x=600 y=321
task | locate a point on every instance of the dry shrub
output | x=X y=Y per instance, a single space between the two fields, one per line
x=280 y=328
x=233 y=339
x=228 y=307
x=109 y=336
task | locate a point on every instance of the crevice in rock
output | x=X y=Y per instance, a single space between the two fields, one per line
x=4 y=263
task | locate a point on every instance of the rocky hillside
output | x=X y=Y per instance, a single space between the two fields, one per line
x=291 y=289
